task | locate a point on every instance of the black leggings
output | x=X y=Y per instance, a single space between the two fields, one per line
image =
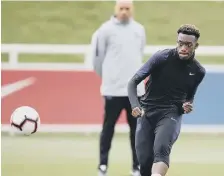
x=155 y=140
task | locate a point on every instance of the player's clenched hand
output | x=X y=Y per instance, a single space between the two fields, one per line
x=137 y=112
x=188 y=107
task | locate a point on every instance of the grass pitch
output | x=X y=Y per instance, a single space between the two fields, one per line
x=72 y=154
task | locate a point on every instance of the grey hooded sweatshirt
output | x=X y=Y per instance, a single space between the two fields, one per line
x=117 y=50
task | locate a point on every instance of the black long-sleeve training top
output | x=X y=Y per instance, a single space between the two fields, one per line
x=172 y=82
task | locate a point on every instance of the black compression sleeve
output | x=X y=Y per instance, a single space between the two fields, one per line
x=132 y=91
x=156 y=60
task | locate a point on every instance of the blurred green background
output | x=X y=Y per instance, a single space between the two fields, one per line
x=74 y=23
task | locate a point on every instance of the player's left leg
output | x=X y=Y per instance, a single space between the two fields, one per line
x=166 y=133
x=144 y=142
x=132 y=122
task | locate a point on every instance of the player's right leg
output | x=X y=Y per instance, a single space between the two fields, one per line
x=166 y=133
x=144 y=141
x=112 y=110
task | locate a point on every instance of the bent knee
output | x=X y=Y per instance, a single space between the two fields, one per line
x=162 y=153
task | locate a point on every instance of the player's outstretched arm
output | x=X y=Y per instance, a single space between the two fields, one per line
x=156 y=60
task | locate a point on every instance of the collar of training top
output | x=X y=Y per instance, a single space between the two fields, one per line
x=115 y=20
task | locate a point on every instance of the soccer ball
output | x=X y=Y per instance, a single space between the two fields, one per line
x=25 y=120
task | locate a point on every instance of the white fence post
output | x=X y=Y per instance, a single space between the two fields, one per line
x=13 y=58
x=88 y=60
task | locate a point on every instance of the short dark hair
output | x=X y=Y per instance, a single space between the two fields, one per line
x=189 y=29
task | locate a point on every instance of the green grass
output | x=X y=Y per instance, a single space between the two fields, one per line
x=70 y=154
x=80 y=59
x=29 y=58
x=74 y=22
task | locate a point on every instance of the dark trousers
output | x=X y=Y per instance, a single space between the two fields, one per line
x=154 y=140
x=112 y=109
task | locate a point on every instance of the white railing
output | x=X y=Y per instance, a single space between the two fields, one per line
x=15 y=49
